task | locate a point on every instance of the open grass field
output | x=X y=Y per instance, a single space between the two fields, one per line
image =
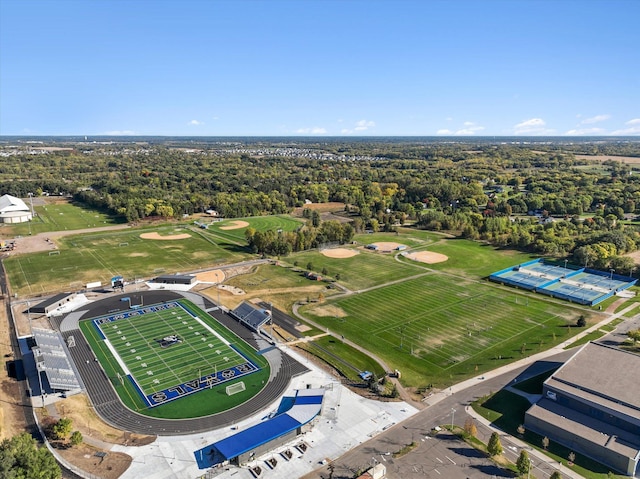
x=61 y=216
x=100 y=256
x=473 y=259
x=365 y=270
x=168 y=357
x=441 y=329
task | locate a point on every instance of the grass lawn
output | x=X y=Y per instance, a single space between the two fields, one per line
x=365 y=270
x=473 y=259
x=442 y=329
x=282 y=286
x=144 y=354
x=100 y=256
x=347 y=360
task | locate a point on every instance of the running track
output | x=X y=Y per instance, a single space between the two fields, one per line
x=108 y=405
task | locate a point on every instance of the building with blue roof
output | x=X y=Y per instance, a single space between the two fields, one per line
x=263 y=437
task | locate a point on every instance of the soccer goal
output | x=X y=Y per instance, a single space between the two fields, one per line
x=53 y=253
x=123 y=244
x=235 y=388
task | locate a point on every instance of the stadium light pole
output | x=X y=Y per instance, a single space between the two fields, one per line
x=565 y=263
x=612 y=271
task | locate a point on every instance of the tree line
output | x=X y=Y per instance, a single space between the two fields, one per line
x=537 y=197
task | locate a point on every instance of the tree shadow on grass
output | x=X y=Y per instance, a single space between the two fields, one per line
x=511 y=408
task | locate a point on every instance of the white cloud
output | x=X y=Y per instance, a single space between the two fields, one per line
x=470 y=128
x=120 y=133
x=312 y=131
x=533 y=126
x=634 y=128
x=595 y=119
x=362 y=125
x=196 y=123
x=586 y=132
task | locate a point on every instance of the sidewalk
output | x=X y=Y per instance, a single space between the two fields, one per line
x=565 y=471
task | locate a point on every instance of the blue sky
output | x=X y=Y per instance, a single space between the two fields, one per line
x=330 y=67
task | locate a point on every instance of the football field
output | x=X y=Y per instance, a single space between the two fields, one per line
x=166 y=351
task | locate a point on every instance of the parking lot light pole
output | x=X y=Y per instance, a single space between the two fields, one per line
x=453 y=411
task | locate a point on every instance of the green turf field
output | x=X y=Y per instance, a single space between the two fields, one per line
x=172 y=358
x=438 y=328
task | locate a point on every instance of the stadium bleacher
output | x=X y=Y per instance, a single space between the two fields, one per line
x=252 y=316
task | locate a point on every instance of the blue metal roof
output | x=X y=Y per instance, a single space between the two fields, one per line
x=305 y=406
x=255 y=436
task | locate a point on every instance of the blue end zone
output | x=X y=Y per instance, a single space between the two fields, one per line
x=205 y=382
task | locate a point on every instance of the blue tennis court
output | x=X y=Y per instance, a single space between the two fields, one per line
x=580 y=285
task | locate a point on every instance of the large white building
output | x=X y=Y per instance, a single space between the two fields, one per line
x=13 y=210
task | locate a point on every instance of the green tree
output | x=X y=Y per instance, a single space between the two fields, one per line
x=315 y=219
x=62 y=428
x=494 y=447
x=582 y=322
x=20 y=457
x=76 y=438
x=523 y=464
x=634 y=335
x=309 y=266
x=555 y=475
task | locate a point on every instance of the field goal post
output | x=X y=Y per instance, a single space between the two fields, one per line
x=235 y=388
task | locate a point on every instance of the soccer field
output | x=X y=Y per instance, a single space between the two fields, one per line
x=166 y=351
x=437 y=327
